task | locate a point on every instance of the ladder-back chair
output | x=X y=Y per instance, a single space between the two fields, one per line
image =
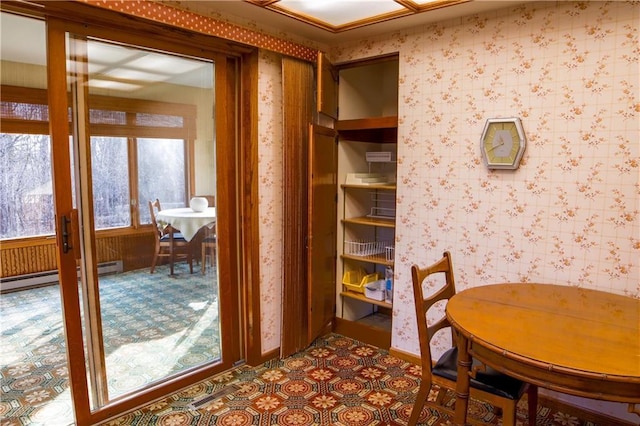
x=488 y=385
x=168 y=241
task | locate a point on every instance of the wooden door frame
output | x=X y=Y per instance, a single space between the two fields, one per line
x=249 y=289
x=240 y=211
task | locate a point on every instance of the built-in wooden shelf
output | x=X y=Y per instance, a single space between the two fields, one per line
x=362 y=297
x=372 y=221
x=385 y=186
x=379 y=129
x=378 y=259
x=368 y=123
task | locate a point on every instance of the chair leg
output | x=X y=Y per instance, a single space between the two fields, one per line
x=441 y=394
x=509 y=413
x=532 y=403
x=421 y=398
x=171 y=256
x=212 y=255
x=203 y=264
x=208 y=249
x=154 y=261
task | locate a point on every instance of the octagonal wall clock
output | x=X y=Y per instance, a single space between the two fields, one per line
x=503 y=143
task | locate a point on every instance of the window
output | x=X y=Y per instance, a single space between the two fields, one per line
x=109 y=173
x=137 y=146
x=26 y=200
x=152 y=179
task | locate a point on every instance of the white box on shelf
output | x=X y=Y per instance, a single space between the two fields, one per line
x=375 y=290
x=379 y=157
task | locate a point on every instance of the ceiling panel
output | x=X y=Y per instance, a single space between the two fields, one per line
x=336 y=13
x=343 y=15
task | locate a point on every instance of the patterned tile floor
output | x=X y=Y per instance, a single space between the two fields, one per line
x=337 y=381
x=151 y=326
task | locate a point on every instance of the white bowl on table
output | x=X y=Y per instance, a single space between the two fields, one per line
x=198 y=204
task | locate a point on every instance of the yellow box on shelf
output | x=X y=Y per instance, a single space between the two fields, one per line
x=357 y=279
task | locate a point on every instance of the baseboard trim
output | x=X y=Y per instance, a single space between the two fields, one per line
x=363 y=333
x=582 y=412
x=267 y=356
x=405 y=356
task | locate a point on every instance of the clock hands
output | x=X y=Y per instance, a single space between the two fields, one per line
x=502 y=142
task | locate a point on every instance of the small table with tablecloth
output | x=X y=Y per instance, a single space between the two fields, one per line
x=187 y=221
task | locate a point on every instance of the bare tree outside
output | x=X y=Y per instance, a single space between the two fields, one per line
x=110 y=182
x=26 y=192
x=161 y=174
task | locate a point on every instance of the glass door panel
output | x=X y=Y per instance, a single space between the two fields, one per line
x=139 y=119
x=33 y=359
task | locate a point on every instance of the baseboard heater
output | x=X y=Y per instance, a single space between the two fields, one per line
x=43 y=278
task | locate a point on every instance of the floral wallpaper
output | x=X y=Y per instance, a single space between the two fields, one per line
x=270 y=197
x=569 y=214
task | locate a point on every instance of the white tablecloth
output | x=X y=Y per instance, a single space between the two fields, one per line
x=186 y=220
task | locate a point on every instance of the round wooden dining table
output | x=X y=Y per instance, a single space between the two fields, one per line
x=573 y=340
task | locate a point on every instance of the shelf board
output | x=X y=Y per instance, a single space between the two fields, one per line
x=363 y=298
x=379 y=259
x=368 y=123
x=385 y=186
x=379 y=129
x=372 y=221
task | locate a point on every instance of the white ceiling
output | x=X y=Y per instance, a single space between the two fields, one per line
x=242 y=11
x=112 y=67
x=332 y=14
x=23 y=40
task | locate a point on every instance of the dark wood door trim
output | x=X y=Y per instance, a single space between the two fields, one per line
x=297 y=107
x=321 y=230
x=249 y=234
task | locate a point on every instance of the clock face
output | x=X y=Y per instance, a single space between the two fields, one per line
x=502 y=143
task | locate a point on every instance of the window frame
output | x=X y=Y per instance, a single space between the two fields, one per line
x=129 y=130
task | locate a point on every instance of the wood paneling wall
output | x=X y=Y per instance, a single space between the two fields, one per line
x=134 y=249
x=27 y=259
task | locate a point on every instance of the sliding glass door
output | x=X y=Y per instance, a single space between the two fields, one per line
x=33 y=361
x=135 y=137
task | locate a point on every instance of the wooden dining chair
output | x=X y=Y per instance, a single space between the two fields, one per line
x=489 y=385
x=181 y=248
